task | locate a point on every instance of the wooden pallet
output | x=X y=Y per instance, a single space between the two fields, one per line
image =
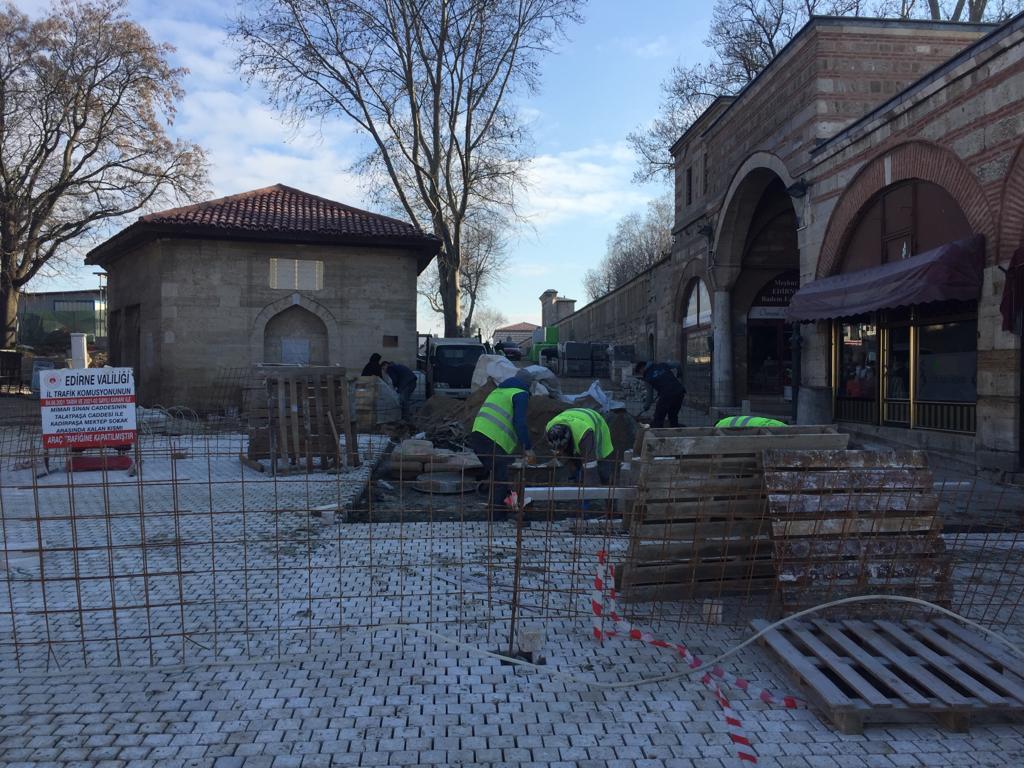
x=303 y=414
x=698 y=526
x=878 y=671
x=849 y=523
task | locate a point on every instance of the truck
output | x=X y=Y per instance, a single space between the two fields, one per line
x=449 y=364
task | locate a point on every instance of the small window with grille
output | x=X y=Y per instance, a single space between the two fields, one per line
x=297 y=274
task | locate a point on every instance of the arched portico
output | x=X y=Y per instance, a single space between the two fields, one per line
x=753 y=269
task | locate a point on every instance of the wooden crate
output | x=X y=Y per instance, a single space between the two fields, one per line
x=849 y=523
x=878 y=671
x=298 y=415
x=698 y=526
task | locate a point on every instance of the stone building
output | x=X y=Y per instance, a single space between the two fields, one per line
x=862 y=197
x=271 y=276
x=516 y=333
x=554 y=307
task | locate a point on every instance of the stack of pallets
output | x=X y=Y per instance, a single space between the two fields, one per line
x=848 y=523
x=303 y=413
x=698 y=527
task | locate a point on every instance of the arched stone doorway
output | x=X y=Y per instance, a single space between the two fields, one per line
x=755 y=241
x=295 y=336
x=756 y=271
x=696 y=345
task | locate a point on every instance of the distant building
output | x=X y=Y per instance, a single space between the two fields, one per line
x=272 y=276
x=517 y=333
x=45 y=317
x=554 y=307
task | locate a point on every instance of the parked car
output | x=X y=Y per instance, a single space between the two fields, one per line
x=449 y=365
x=509 y=350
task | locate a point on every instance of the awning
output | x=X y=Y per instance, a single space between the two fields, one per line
x=1012 y=305
x=951 y=272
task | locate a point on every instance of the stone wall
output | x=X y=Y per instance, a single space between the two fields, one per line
x=206 y=304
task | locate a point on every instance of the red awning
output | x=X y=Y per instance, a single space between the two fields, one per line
x=951 y=272
x=1012 y=305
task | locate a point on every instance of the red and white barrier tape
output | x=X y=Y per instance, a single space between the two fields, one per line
x=604 y=604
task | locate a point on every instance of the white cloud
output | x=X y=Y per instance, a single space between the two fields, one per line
x=658 y=48
x=589 y=181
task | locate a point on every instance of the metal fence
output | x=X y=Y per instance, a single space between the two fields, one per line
x=195 y=556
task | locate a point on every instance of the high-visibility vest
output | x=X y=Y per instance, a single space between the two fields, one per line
x=750 y=421
x=583 y=420
x=494 y=420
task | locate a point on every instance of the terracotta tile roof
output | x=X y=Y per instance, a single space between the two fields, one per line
x=284 y=209
x=278 y=213
x=518 y=327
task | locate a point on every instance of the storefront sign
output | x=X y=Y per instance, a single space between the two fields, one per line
x=87 y=408
x=779 y=291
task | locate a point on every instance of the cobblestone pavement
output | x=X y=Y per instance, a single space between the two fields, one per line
x=246 y=631
x=389 y=699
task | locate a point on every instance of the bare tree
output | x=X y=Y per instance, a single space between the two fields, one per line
x=86 y=97
x=430 y=82
x=488 y=320
x=745 y=35
x=484 y=256
x=638 y=243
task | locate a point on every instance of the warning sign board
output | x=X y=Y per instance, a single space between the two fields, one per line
x=88 y=407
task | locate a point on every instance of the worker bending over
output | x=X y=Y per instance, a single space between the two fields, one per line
x=749 y=421
x=499 y=433
x=662 y=378
x=404 y=381
x=583 y=435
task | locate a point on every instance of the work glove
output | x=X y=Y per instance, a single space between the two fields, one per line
x=531 y=457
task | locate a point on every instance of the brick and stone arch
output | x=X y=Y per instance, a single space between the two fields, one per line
x=745 y=193
x=919 y=160
x=272 y=310
x=1011 y=212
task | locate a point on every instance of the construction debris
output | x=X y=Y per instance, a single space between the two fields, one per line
x=419 y=459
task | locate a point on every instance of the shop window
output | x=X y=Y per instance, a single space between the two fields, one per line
x=858 y=361
x=698 y=306
x=947 y=361
x=697 y=345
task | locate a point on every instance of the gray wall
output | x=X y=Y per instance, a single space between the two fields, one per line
x=205 y=305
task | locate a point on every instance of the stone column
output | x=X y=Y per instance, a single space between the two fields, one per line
x=721 y=358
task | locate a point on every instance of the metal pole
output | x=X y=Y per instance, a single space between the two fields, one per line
x=520 y=512
x=797 y=341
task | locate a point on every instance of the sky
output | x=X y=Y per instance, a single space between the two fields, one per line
x=601 y=83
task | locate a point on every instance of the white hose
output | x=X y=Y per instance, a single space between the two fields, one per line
x=712 y=662
x=572 y=677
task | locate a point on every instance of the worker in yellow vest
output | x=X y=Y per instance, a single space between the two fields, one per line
x=750 y=421
x=582 y=434
x=499 y=433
